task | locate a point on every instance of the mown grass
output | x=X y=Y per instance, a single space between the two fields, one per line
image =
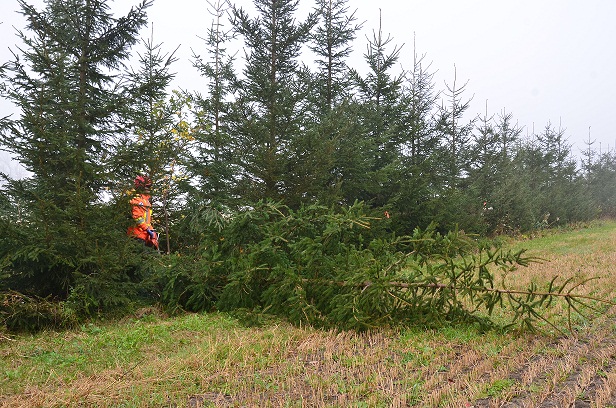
x=216 y=359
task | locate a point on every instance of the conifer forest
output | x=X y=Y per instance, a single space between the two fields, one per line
x=291 y=184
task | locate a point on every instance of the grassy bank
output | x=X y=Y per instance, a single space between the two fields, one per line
x=217 y=360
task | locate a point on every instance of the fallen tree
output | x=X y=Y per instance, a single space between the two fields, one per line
x=342 y=268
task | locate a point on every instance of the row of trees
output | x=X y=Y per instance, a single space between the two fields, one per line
x=284 y=129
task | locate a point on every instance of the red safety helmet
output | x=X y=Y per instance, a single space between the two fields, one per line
x=142 y=182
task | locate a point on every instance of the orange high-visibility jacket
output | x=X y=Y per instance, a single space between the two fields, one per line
x=142 y=214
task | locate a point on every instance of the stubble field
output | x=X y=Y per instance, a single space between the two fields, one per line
x=216 y=360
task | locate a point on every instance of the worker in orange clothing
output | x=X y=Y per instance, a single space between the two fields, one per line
x=141 y=209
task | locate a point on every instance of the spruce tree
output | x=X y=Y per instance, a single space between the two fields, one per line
x=335 y=139
x=379 y=94
x=148 y=118
x=419 y=142
x=453 y=162
x=565 y=194
x=455 y=134
x=156 y=134
x=601 y=182
x=331 y=43
x=483 y=173
x=65 y=83
x=271 y=103
x=212 y=164
x=493 y=175
x=589 y=155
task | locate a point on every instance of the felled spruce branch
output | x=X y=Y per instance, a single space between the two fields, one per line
x=333 y=267
x=452 y=284
x=523 y=302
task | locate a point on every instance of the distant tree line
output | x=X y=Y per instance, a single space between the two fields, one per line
x=268 y=126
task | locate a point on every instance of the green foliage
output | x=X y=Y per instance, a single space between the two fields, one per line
x=211 y=167
x=21 y=313
x=601 y=184
x=270 y=146
x=338 y=267
x=192 y=285
x=64 y=238
x=331 y=42
x=282 y=132
x=499 y=386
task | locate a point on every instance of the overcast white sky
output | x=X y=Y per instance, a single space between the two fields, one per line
x=541 y=60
